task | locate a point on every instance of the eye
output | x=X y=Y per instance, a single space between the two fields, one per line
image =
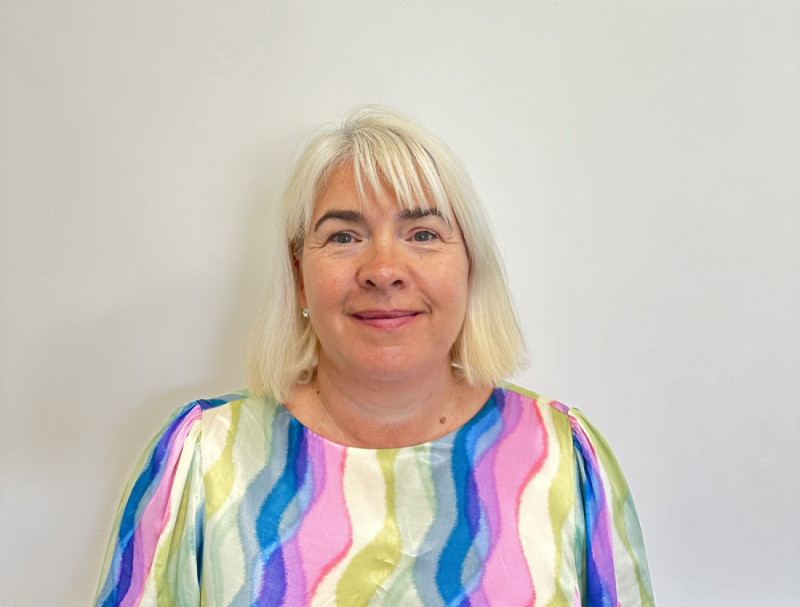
x=341 y=238
x=424 y=236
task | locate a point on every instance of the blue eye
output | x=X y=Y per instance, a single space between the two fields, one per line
x=423 y=236
x=341 y=238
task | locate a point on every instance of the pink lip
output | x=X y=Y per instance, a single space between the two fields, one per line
x=385 y=319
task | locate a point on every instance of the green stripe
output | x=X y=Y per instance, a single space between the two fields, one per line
x=371 y=567
x=220 y=475
x=561 y=499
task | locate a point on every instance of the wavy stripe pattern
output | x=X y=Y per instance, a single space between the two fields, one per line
x=235 y=503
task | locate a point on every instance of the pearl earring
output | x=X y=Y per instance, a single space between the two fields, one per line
x=305 y=313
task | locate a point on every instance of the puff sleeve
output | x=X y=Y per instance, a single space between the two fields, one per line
x=155 y=553
x=610 y=539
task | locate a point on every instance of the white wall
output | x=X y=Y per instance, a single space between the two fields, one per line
x=640 y=161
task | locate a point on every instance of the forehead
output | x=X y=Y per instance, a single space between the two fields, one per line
x=345 y=188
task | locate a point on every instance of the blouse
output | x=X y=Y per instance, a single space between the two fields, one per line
x=235 y=502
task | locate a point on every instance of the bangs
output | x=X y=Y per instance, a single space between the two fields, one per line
x=385 y=161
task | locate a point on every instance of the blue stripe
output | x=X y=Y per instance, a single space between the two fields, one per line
x=595 y=588
x=273 y=580
x=450 y=567
x=117 y=586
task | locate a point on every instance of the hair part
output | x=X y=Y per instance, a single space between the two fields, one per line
x=386 y=152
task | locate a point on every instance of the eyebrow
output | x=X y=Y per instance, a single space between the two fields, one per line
x=356 y=217
x=406 y=214
x=351 y=216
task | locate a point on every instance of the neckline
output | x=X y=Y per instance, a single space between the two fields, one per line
x=490 y=403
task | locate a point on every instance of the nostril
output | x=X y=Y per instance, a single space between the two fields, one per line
x=382 y=266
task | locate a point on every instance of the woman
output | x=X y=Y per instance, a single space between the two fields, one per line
x=376 y=459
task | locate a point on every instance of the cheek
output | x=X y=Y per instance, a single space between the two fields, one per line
x=451 y=287
x=456 y=278
x=322 y=283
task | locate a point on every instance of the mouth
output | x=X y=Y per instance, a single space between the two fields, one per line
x=379 y=314
x=385 y=319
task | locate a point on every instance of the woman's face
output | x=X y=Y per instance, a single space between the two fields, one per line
x=386 y=288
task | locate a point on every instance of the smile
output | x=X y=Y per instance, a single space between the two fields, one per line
x=385 y=319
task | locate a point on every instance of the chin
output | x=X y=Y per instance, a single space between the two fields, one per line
x=392 y=370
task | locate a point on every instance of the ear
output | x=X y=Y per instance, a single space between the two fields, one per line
x=298 y=272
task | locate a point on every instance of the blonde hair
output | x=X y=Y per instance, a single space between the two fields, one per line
x=386 y=151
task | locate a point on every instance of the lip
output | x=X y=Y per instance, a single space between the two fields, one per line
x=385 y=319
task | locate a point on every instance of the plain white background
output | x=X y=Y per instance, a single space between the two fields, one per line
x=640 y=163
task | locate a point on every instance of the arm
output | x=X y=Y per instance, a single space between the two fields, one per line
x=155 y=551
x=616 y=572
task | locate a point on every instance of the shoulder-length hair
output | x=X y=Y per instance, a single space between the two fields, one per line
x=386 y=151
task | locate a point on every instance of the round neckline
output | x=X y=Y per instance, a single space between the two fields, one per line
x=488 y=404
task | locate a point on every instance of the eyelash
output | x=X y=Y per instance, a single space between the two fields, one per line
x=336 y=238
x=431 y=235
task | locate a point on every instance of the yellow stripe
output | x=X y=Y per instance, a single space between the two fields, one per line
x=561 y=503
x=219 y=478
x=371 y=567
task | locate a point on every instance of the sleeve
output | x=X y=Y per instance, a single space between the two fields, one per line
x=154 y=556
x=615 y=565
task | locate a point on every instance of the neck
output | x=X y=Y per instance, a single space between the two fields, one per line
x=385 y=414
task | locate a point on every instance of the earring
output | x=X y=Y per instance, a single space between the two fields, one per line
x=305 y=313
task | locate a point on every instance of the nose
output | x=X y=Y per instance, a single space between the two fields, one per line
x=383 y=265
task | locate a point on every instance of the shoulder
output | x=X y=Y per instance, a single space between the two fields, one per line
x=193 y=421
x=204 y=411
x=564 y=419
x=192 y=435
x=237 y=421
x=532 y=398
x=210 y=408
x=544 y=406
x=594 y=458
x=595 y=462
x=194 y=414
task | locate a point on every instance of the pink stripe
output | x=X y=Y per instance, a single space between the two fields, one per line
x=507 y=580
x=326 y=532
x=485 y=477
x=295 y=576
x=156 y=514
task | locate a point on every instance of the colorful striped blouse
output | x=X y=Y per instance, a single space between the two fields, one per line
x=236 y=503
